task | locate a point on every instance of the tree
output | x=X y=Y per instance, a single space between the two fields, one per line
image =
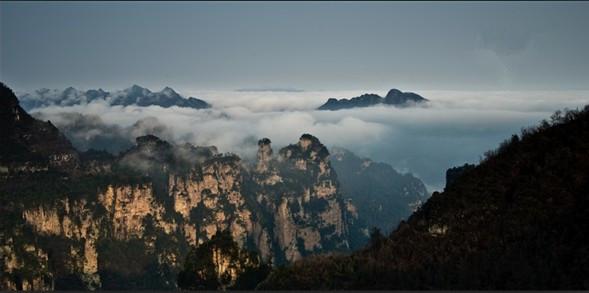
x=376 y=238
x=220 y=264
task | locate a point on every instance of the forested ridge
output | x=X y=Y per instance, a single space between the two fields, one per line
x=518 y=220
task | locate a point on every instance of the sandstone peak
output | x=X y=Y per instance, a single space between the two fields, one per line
x=264 y=141
x=308 y=140
x=264 y=155
x=308 y=148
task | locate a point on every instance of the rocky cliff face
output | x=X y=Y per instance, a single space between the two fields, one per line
x=28 y=144
x=96 y=221
x=382 y=195
x=300 y=194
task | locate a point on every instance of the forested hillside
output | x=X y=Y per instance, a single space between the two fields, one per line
x=518 y=220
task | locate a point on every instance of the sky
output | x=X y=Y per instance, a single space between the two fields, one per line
x=488 y=68
x=301 y=45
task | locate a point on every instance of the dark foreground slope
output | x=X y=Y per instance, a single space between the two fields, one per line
x=519 y=220
x=29 y=143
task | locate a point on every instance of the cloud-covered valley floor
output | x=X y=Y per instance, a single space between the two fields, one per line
x=456 y=127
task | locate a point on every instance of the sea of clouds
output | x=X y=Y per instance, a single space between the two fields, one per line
x=456 y=127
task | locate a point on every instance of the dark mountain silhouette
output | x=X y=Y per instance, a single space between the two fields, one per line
x=518 y=220
x=25 y=139
x=382 y=195
x=394 y=97
x=166 y=98
x=135 y=95
x=454 y=173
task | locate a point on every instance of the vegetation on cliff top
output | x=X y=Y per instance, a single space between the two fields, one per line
x=221 y=264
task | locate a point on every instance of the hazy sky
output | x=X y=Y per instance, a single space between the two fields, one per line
x=488 y=68
x=306 y=45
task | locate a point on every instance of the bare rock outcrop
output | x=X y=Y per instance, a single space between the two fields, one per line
x=74 y=220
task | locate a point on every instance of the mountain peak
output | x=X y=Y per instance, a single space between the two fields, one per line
x=394 y=92
x=8 y=99
x=169 y=91
x=135 y=95
x=399 y=98
x=264 y=155
x=307 y=141
x=28 y=143
x=394 y=97
x=70 y=89
x=264 y=141
x=10 y=110
x=137 y=89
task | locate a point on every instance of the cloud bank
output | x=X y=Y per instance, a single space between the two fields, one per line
x=456 y=127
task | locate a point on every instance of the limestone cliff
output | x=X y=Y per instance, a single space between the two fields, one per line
x=90 y=220
x=153 y=204
x=299 y=191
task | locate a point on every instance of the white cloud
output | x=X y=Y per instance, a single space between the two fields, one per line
x=456 y=127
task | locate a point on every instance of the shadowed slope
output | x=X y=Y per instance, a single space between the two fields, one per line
x=516 y=221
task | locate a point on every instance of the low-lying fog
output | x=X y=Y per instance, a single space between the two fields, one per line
x=456 y=127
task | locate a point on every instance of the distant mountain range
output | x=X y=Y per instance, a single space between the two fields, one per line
x=135 y=95
x=394 y=97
